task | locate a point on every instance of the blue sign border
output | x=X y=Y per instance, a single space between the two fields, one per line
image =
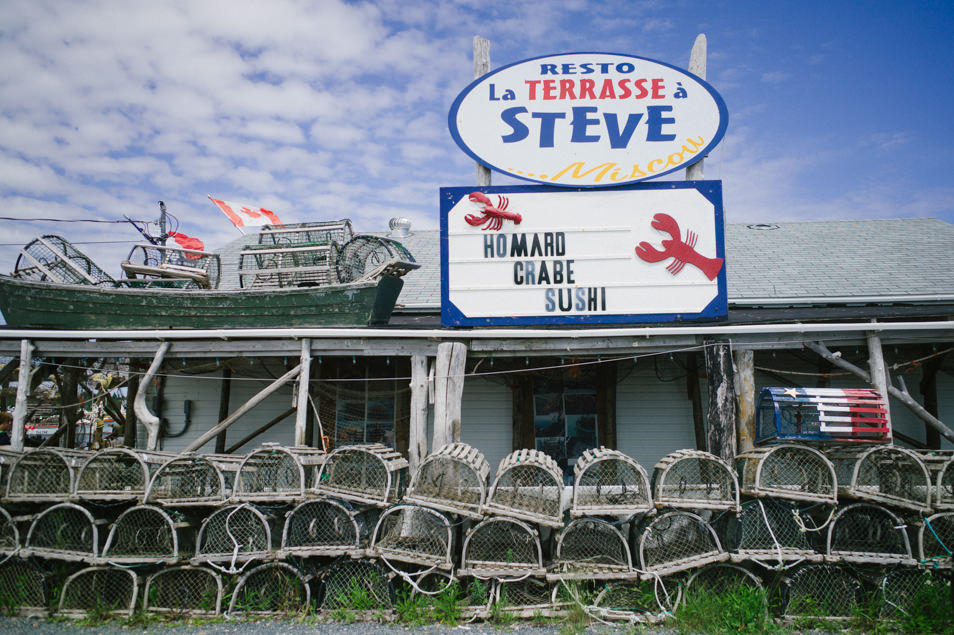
x=718 y=309
x=720 y=103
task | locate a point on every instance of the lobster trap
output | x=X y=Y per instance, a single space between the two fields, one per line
x=9 y=534
x=184 y=591
x=904 y=591
x=234 y=534
x=793 y=472
x=327 y=528
x=769 y=530
x=528 y=597
x=23 y=588
x=676 y=541
x=821 y=414
x=367 y=257
x=50 y=258
x=609 y=483
x=99 y=590
x=274 y=588
x=373 y=474
x=936 y=540
x=721 y=577
x=693 y=479
x=883 y=474
x=940 y=466
x=275 y=474
x=356 y=584
x=821 y=590
x=866 y=533
x=414 y=535
x=147 y=535
x=191 y=480
x=158 y=265
x=63 y=532
x=118 y=474
x=528 y=486
x=591 y=548
x=453 y=479
x=43 y=476
x=502 y=548
x=638 y=601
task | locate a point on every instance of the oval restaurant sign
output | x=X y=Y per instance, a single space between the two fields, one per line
x=588 y=119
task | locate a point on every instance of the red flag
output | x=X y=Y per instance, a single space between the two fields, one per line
x=188 y=242
x=245 y=216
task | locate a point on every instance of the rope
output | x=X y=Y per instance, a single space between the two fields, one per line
x=768 y=525
x=801 y=524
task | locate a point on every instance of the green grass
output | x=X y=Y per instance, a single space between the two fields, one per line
x=741 y=609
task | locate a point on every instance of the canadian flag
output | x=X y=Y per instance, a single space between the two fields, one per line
x=245 y=216
x=188 y=242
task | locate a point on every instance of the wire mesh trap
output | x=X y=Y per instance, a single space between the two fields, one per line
x=609 y=483
x=356 y=584
x=721 y=577
x=936 y=540
x=867 y=533
x=638 y=601
x=528 y=486
x=369 y=257
x=591 y=548
x=99 y=590
x=373 y=474
x=794 y=472
x=23 y=588
x=146 y=534
x=529 y=597
x=50 y=258
x=233 y=534
x=158 y=265
x=414 y=535
x=275 y=474
x=116 y=474
x=768 y=530
x=940 y=465
x=327 y=528
x=905 y=591
x=453 y=479
x=270 y=589
x=821 y=590
x=676 y=541
x=502 y=548
x=193 y=480
x=693 y=479
x=65 y=532
x=44 y=475
x=184 y=591
x=883 y=474
x=9 y=534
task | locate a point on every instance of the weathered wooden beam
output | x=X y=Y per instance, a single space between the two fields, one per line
x=928 y=389
x=481 y=68
x=448 y=390
x=264 y=428
x=606 y=405
x=417 y=434
x=132 y=388
x=879 y=375
x=225 y=398
x=694 y=394
x=697 y=66
x=304 y=384
x=69 y=396
x=150 y=421
x=721 y=401
x=744 y=383
x=17 y=430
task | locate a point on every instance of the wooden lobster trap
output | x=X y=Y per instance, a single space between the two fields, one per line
x=638 y=601
x=23 y=588
x=452 y=479
x=609 y=483
x=275 y=474
x=346 y=579
x=903 y=591
x=769 y=530
x=936 y=540
x=184 y=591
x=294 y=255
x=232 y=535
x=883 y=474
x=940 y=466
x=693 y=479
x=502 y=548
x=721 y=577
x=194 y=480
x=327 y=527
x=591 y=548
x=99 y=590
x=789 y=471
x=63 y=532
x=414 y=535
x=9 y=534
x=528 y=597
x=118 y=474
x=821 y=590
x=866 y=533
x=43 y=476
x=273 y=588
x=676 y=541
x=146 y=534
x=528 y=486
x=372 y=474
x=821 y=414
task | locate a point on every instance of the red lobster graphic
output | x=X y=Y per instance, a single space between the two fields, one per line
x=492 y=216
x=681 y=252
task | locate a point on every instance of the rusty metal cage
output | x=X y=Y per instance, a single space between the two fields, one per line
x=693 y=479
x=184 y=591
x=768 y=530
x=821 y=590
x=793 y=472
x=99 y=590
x=117 y=474
x=609 y=483
x=591 y=548
x=276 y=474
x=45 y=475
x=528 y=486
x=64 y=532
x=940 y=465
x=502 y=548
x=883 y=474
x=347 y=580
x=327 y=527
x=234 y=534
x=23 y=588
x=373 y=474
x=868 y=533
x=146 y=534
x=273 y=588
x=193 y=480
x=936 y=540
x=676 y=541
x=452 y=479
x=9 y=534
x=414 y=535
x=638 y=601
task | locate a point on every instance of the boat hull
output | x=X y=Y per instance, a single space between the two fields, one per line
x=31 y=304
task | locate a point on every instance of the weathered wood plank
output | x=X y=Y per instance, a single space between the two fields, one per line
x=304 y=380
x=147 y=418
x=448 y=390
x=17 y=433
x=481 y=68
x=417 y=435
x=721 y=402
x=744 y=383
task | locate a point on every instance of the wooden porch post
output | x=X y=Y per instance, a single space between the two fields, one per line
x=879 y=375
x=744 y=382
x=481 y=68
x=148 y=419
x=17 y=433
x=694 y=395
x=721 y=410
x=225 y=396
x=304 y=379
x=417 y=433
x=448 y=390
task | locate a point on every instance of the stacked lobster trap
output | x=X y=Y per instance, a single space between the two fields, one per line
x=194 y=480
x=118 y=474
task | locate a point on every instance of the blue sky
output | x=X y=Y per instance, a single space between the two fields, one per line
x=326 y=109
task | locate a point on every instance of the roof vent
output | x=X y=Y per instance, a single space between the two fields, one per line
x=763 y=226
x=400 y=226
